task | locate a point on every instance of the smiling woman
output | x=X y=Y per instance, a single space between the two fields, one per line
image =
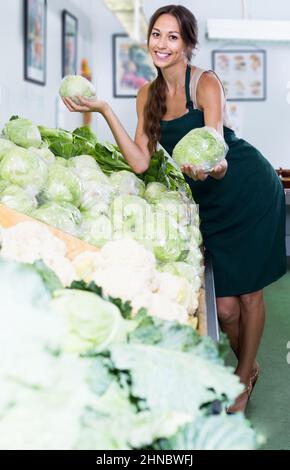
x=241 y=201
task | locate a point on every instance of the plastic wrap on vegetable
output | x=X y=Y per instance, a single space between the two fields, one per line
x=202 y=147
x=24 y=168
x=62 y=216
x=126 y=182
x=18 y=199
x=23 y=132
x=63 y=185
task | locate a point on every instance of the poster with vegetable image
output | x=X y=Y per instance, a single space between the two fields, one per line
x=35 y=41
x=132 y=66
x=242 y=72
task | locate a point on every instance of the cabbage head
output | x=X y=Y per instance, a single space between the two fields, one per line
x=24 y=168
x=76 y=85
x=61 y=216
x=126 y=182
x=154 y=191
x=5 y=144
x=23 y=132
x=96 y=231
x=44 y=152
x=93 y=324
x=63 y=185
x=128 y=210
x=202 y=147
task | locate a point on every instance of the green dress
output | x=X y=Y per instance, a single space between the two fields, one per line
x=242 y=215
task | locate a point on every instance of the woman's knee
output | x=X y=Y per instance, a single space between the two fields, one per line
x=228 y=309
x=251 y=301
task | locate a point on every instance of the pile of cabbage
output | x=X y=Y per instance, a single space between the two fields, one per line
x=75 y=195
x=79 y=372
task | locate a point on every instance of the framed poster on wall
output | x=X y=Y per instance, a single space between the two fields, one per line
x=132 y=66
x=69 y=43
x=35 y=41
x=242 y=72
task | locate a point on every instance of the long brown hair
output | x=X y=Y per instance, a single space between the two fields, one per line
x=155 y=107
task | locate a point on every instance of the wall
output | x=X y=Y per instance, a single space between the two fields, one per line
x=26 y=99
x=264 y=124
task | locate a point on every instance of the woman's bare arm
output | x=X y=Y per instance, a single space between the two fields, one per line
x=136 y=152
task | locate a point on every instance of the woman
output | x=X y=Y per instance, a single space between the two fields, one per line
x=241 y=202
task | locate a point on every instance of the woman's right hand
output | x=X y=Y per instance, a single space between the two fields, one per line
x=85 y=105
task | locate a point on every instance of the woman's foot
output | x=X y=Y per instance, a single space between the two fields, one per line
x=241 y=401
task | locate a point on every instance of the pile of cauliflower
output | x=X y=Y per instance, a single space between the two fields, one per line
x=123 y=268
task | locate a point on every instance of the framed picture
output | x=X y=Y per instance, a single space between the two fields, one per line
x=69 y=43
x=35 y=41
x=242 y=72
x=132 y=66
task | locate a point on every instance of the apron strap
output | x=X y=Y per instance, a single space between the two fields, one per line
x=189 y=103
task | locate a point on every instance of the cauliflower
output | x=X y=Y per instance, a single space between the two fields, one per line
x=28 y=242
x=177 y=289
x=122 y=282
x=160 y=306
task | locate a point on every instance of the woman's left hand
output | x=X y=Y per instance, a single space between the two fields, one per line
x=218 y=172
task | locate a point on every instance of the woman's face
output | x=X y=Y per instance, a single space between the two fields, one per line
x=165 y=43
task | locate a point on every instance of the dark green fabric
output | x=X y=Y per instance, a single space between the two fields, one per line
x=242 y=215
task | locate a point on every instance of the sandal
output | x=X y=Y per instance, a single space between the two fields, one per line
x=241 y=401
x=255 y=376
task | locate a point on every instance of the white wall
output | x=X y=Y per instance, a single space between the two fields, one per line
x=27 y=99
x=264 y=124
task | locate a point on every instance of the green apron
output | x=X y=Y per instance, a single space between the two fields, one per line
x=242 y=215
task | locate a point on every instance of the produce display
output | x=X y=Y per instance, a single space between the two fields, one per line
x=202 y=147
x=96 y=197
x=100 y=351
x=79 y=371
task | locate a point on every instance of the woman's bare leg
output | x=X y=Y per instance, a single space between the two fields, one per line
x=252 y=319
x=229 y=313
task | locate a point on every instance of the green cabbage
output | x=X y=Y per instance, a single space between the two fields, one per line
x=127 y=211
x=76 y=85
x=18 y=199
x=96 y=231
x=63 y=185
x=23 y=132
x=202 y=147
x=93 y=324
x=24 y=168
x=126 y=182
x=45 y=153
x=5 y=145
x=154 y=191
x=62 y=216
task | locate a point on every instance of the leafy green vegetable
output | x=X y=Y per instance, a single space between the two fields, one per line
x=76 y=85
x=24 y=168
x=166 y=379
x=202 y=147
x=93 y=324
x=63 y=185
x=23 y=132
x=213 y=433
x=66 y=144
x=18 y=199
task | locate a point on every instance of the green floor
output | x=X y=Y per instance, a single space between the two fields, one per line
x=269 y=407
